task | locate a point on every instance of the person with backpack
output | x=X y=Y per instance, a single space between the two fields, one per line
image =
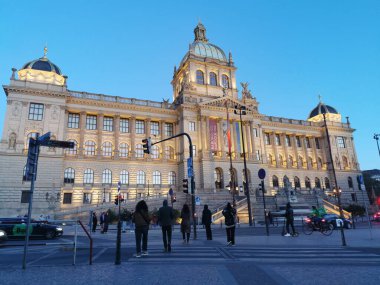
x=289 y=216
x=229 y=214
x=141 y=219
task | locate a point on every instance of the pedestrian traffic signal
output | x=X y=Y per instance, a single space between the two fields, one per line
x=117 y=200
x=185 y=185
x=174 y=199
x=147 y=145
x=31 y=164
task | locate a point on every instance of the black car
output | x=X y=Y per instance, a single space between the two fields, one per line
x=16 y=227
x=335 y=221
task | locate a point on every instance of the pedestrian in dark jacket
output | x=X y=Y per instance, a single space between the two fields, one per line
x=289 y=216
x=102 y=222
x=206 y=221
x=94 y=222
x=185 y=223
x=229 y=214
x=142 y=220
x=106 y=221
x=165 y=218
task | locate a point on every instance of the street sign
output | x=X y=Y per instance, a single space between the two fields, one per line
x=197 y=200
x=190 y=172
x=261 y=173
x=44 y=138
x=60 y=144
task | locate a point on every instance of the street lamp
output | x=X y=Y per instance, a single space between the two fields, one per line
x=376 y=137
x=242 y=111
x=334 y=174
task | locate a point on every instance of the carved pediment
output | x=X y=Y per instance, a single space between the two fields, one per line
x=222 y=102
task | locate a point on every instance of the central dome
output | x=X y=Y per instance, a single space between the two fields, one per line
x=205 y=49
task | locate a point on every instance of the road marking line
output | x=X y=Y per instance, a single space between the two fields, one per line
x=99 y=254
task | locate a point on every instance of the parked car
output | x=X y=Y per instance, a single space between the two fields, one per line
x=376 y=217
x=16 y=227
x=332 y=219
x=3 y=235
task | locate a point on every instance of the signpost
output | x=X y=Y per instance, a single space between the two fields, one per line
x=261 y=175
x=31 y=173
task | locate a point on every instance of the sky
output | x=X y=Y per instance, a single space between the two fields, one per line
x=288 y=51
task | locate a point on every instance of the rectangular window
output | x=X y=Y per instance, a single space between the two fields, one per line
x=91 y=122
x=87 y=198
x=340 y=141
x=124 y=126
x=154 y=128
x=191 y=126
x=25 y=196
x=255 y=133
x=108 y=124
x=317 y=143
x=36 y=112
x=278 y=140
x=258 y=157
x=287 y=140
x=267 y=139
x=169 y=129
x=140 y=127
x=307 y=142
x=73 y=121
x=298 y=142
x=67 y=198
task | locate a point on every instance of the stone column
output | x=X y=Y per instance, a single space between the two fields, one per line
x=132 y=128
x=82 y=129
x=100 y=134
x=117 y=135
x=161 y=135
x=274 y=147
x=286 y=158
x=295 y=147
x=253 y=139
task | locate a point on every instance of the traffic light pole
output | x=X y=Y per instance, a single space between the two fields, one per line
x=192 y=181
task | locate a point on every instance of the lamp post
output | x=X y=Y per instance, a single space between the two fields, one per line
x=376 y=137
x=334 y=174
x=241 y=111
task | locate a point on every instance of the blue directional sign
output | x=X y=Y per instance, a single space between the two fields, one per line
x=197 y=200
x=190 y=172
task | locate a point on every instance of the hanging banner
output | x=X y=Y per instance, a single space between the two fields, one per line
x=226 y=137
x=213 y=124
x=238 y=138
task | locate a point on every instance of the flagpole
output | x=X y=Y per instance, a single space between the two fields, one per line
x=232 y=175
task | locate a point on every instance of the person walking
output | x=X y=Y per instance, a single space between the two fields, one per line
x=165 y=217
x=289 y=216
x=229 y=214
x=94 y=222
x=185 y=223
x=142 y=220
x=102 y=222
x=106 y=221
x=206 y=221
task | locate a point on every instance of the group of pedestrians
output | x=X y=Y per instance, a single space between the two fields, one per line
x=104 y=221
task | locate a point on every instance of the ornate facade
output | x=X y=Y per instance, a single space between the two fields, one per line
x=108 y=132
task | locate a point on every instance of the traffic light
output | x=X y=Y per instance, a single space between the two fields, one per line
x=174 y=199
x=185 y=185
x=116 y=200
x=31 y=164
x=147 y=145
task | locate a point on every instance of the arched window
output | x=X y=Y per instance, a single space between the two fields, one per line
x=307 y=183
x=200 y=77
x=155 y=152
x=213 y=81
x=30 y=135
x=297 y=182
x=172 y=178
x=317 y=183
x=107 y=149
x=218 y=178
x=225 y=81
x=89 y=148
x=156 y=178
x=275 y=181
x=291 y=161
x=107 y=176
x=139 y=151
x=72 y=151
x=345 y=162
x=169 y=152
x=327 y=183
x=124 y=177
x=69 y=175
x=140 y=177
x=123 y=150
x=350 y=184
x=88 y=177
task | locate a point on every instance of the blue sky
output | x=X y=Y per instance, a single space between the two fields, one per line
x=289 y=51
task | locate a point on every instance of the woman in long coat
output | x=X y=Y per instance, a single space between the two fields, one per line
x=185 y=223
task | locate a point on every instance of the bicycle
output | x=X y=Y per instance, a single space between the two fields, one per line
x=309 y=227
